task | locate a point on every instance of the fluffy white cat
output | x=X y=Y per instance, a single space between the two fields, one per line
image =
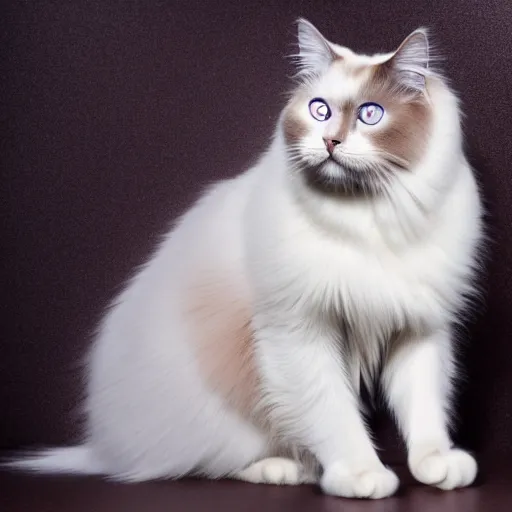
x=343 y=257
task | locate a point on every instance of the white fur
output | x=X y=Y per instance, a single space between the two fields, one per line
x=275 y=470
x=392 y=268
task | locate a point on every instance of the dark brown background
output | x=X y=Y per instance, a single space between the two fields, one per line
x=116 y=114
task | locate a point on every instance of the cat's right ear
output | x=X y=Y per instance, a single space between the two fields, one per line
x=315 y=52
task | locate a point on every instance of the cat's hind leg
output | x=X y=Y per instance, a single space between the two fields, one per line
x=277 y=471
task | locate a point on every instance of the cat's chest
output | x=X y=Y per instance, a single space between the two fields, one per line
x=378 y=285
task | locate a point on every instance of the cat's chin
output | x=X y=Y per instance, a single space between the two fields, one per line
x=332 y=177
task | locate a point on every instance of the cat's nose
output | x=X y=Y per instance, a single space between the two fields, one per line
x=330 y=144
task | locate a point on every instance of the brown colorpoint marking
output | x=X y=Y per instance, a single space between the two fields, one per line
x=408 y=128
x=294 y=127
x=223 y=342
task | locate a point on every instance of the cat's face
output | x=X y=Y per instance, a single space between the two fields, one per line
x=355 y=121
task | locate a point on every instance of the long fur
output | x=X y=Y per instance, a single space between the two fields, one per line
x=248 y=332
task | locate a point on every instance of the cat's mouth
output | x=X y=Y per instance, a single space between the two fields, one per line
x=345 y=176
x=344 y=163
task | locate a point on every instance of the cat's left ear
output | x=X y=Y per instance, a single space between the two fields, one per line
x=315 y=52
x=411 y=61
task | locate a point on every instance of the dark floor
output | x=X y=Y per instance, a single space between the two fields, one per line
x=21 y=493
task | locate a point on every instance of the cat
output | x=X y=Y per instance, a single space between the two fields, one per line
x=341 y=260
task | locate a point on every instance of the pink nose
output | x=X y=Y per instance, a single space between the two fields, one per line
x=330 y=144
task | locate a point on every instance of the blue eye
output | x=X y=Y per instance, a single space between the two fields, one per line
x=319 y=109
x=370 y=113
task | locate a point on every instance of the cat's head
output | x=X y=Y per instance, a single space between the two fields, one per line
x=354 y=121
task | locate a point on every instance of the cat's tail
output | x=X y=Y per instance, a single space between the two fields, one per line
x=71 y=460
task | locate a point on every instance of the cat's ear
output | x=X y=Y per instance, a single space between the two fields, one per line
x=315 y=52
x=410 y=62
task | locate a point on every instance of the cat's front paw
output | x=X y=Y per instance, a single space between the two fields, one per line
x=450 y=470
x=374 y=483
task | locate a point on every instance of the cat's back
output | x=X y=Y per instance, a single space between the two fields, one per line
x=198 y=262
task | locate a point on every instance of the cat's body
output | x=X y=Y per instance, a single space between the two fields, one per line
x=247 y=335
